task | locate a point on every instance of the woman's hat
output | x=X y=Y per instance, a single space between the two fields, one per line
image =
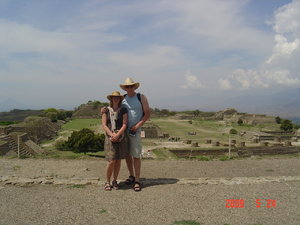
x=129 y=82
x=115 y=94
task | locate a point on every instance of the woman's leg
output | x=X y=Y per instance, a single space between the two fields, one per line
x=117 y=167
x=109 y=170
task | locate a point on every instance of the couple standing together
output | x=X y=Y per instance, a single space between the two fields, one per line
x=122 y=122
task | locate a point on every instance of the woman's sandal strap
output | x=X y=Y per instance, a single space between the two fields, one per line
x=115 y=184
x=107 y=186
x=137 y=188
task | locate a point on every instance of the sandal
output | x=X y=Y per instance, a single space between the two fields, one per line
x=130 y=180
x=115 y=185
x=137 y=186
x=107 y=186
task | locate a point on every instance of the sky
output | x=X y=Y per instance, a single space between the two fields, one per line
x=186 y=54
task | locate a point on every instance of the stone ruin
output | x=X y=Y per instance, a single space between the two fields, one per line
x=231 y=115
x=23 y=138
x=225 y=113
x=151 y=131
x=14 y=144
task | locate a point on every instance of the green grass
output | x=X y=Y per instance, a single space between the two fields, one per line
x=207 y=129
x=224 y=158
x=103 y=211
x=202 y=158
x=69 y=155
x=17 y=167
x=186 y=222
x=163 y=153
x=77 y=186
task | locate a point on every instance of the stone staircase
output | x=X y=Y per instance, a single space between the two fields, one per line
x=13 y=145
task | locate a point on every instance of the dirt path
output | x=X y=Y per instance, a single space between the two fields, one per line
x=173 y=191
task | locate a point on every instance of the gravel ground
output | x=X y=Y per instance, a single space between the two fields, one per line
x=159 y=202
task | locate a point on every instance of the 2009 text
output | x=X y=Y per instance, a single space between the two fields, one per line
x=260 y=203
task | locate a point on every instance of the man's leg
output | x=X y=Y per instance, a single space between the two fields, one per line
x=129 y=165
x=137 y=168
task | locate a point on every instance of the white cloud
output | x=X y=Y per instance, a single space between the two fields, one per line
x=283 y=48
x=246 y=79
x=287 y=18
x=282 y=78
x=286 y=24
x=282 y=67
x=191 y=81
x=225 y=84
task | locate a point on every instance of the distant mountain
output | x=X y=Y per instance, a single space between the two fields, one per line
x=283 y=103
x=10 y=104
x=18 y=114
x=295 y=120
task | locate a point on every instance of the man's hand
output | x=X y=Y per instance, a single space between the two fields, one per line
x=134 y=128
x=103 y=110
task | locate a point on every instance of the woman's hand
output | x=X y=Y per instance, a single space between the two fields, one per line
x=114 y=137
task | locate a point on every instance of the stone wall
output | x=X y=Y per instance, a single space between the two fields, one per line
x=150 y=132
x=12 y=128
x=4 y=148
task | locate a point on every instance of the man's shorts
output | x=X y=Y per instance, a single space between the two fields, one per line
x=135 y=144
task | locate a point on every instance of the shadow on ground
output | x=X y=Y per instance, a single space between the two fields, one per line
x=150 y=182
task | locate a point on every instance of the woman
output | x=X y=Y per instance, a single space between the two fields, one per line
x=114 y=123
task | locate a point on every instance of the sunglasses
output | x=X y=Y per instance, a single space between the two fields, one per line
x=129 y=86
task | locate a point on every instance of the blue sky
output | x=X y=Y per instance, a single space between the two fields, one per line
x=194 y=54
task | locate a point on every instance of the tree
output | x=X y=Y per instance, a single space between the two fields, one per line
x=69 y=113
x=278 y=120
x=52 y=116
x=196 y=112
x=61 y=115
x=240 y=122
x=85 y=141
x=50 y=110
x=286 y=125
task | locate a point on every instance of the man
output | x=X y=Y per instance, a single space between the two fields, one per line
x=138 y=113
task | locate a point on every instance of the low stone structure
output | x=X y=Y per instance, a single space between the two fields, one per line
x=152 y=131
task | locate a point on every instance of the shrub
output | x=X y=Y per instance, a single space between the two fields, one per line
x=84 y=141
x=224 y=158
x=233 y=131
x=52 y=116
x=240 y=122
x=286 y=125
x=60 y=145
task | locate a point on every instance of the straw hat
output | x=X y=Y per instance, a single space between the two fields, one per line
x=115 y=94
x=128 y=82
